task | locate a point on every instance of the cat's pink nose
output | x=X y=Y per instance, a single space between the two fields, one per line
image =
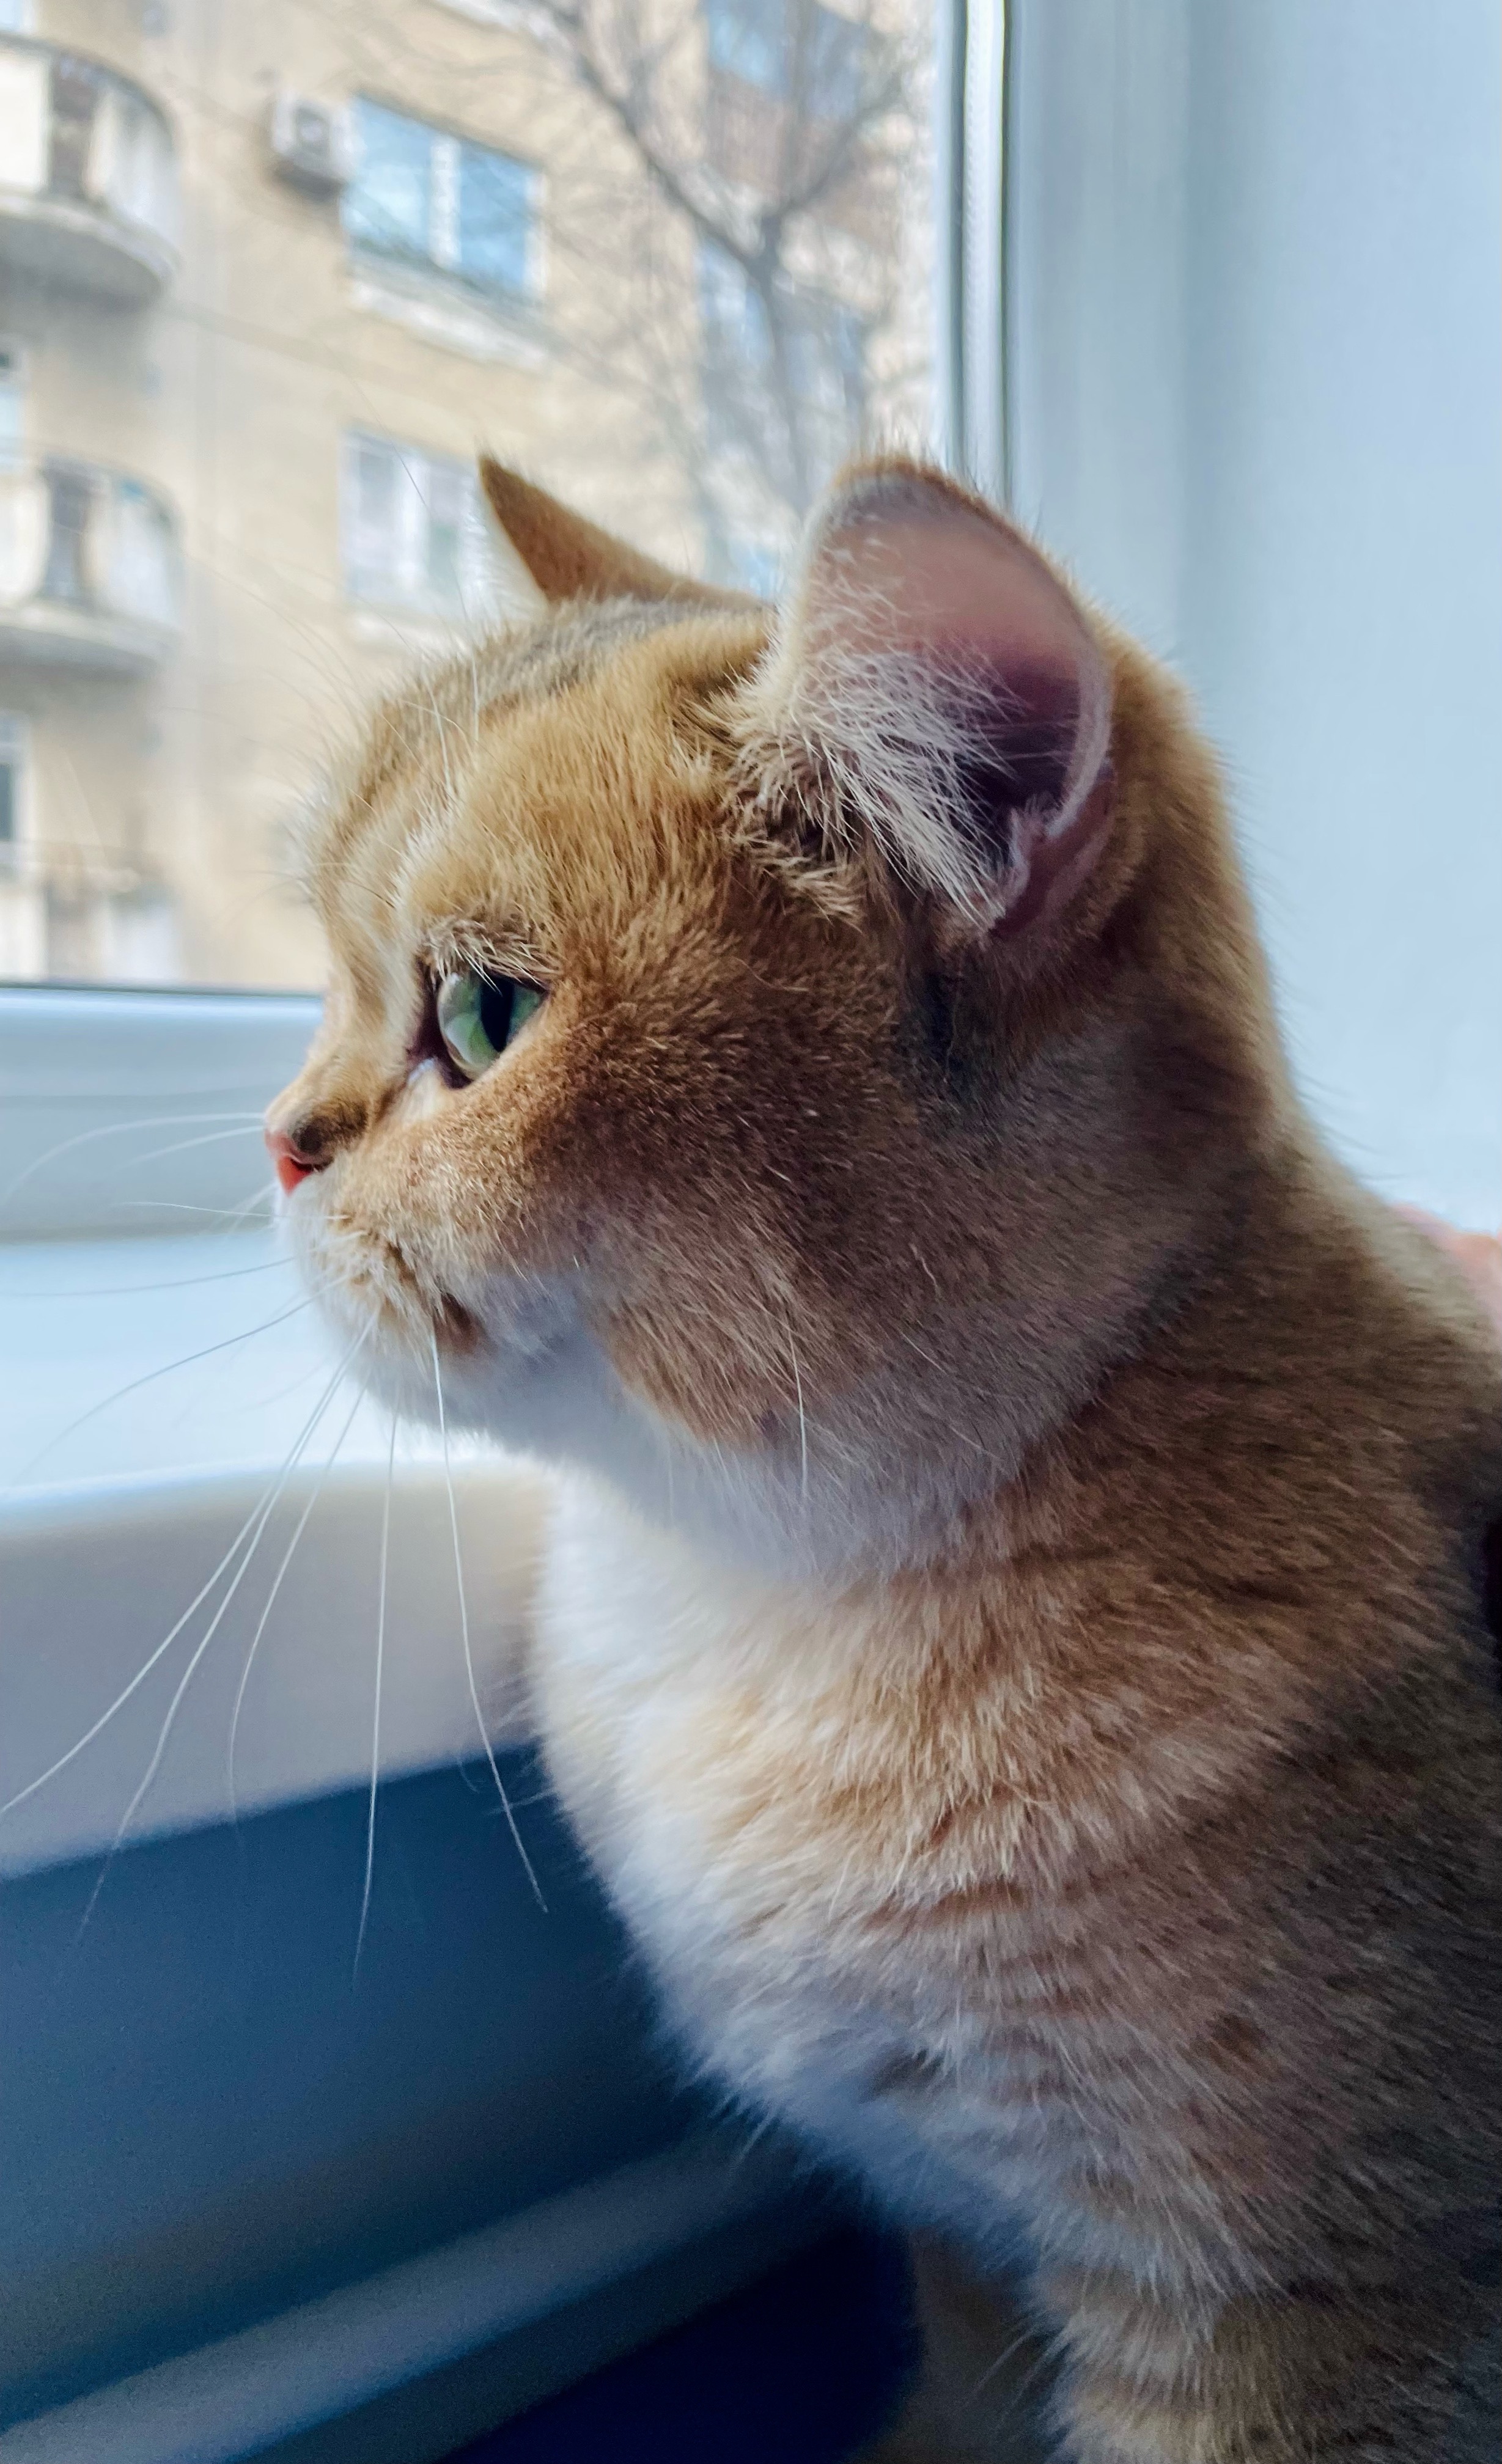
x=290 y=1166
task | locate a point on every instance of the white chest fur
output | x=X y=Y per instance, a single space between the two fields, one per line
x=679 y=1703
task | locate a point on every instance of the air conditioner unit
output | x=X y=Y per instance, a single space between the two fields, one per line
x=312 y=144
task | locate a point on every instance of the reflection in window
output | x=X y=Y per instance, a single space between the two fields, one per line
x=797 y=352
x=211 y=555
x=426 y=197
x=13 y=404
x=23 y=923
x=791 y=48
x=12 y=782
x=413 y=532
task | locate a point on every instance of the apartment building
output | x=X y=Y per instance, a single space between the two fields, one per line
x=269 y=274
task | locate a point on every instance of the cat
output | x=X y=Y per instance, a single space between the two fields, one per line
x=1009 y=1634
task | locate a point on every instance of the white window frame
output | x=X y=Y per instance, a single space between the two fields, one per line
x=442 y=256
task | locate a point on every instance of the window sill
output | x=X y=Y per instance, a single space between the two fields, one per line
x=96 y=1576
x=456 y=320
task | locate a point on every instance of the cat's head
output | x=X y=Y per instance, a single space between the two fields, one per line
x=777 y=1061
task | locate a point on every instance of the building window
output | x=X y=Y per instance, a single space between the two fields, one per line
x=804 y=384
x=413 y=531
x=422 y=197
x=17 y=17
x=13 y=404
x=790 y=49
x=13 y=787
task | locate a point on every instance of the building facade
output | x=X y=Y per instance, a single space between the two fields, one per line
x=269 y=274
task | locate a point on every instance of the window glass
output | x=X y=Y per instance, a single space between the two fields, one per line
x=413 y=531
x=264 y=300
x=21 y=937
x=13 y=396
x=12 y=766
x=389 y=202
x=836 y=57
x=494 y=219
x=748 y=39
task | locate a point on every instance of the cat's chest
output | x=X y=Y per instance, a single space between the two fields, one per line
x=667 y=1730
x=710 y=1794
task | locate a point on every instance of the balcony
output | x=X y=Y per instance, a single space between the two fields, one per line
x=88 y=176
x=90 y=568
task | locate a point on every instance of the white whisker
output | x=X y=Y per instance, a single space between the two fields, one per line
x=271 y=1597
x=181 y=1146
x=264 y=1516
x=464 y=1628
x=150 y=1379
x=119 y=1130
x=803 y=1425
x=123 y=1291
x=168 y=1639
x=263 y=1193
x=375 y=1722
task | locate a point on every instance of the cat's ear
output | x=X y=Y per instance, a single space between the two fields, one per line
x=570 y=558
x=949 y=696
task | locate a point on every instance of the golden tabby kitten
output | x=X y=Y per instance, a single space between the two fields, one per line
x=1011 y=1632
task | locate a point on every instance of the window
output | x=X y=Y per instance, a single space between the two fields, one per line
x=210 y=564
x=22 y=914
x=413 y=532
x=784 y=46
x=784 y=373
x=13 y=785
x=13 y=404
x=424 y=197
x=1250 y=286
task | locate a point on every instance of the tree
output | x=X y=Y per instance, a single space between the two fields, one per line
x=774 y=131
x=731 y=264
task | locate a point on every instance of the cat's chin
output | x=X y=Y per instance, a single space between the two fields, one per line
x=516 y=1365
x=551 y=1391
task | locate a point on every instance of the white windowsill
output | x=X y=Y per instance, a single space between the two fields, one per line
x=107 y=1532
x=453 y=320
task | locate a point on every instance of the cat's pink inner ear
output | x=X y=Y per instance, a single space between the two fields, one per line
x=912 y=590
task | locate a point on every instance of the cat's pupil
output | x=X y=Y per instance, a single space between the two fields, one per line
x=497 y=1002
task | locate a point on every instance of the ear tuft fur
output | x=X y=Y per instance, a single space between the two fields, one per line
x=936 y=694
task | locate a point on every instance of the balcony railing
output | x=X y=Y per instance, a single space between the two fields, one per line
x=88 y=175
x=90 y=568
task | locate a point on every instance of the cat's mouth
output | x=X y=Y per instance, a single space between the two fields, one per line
x=379 y=1293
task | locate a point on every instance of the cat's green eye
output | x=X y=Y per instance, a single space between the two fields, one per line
x=479 y=1015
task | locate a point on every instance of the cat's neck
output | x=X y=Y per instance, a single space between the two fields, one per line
x=926 y=1473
